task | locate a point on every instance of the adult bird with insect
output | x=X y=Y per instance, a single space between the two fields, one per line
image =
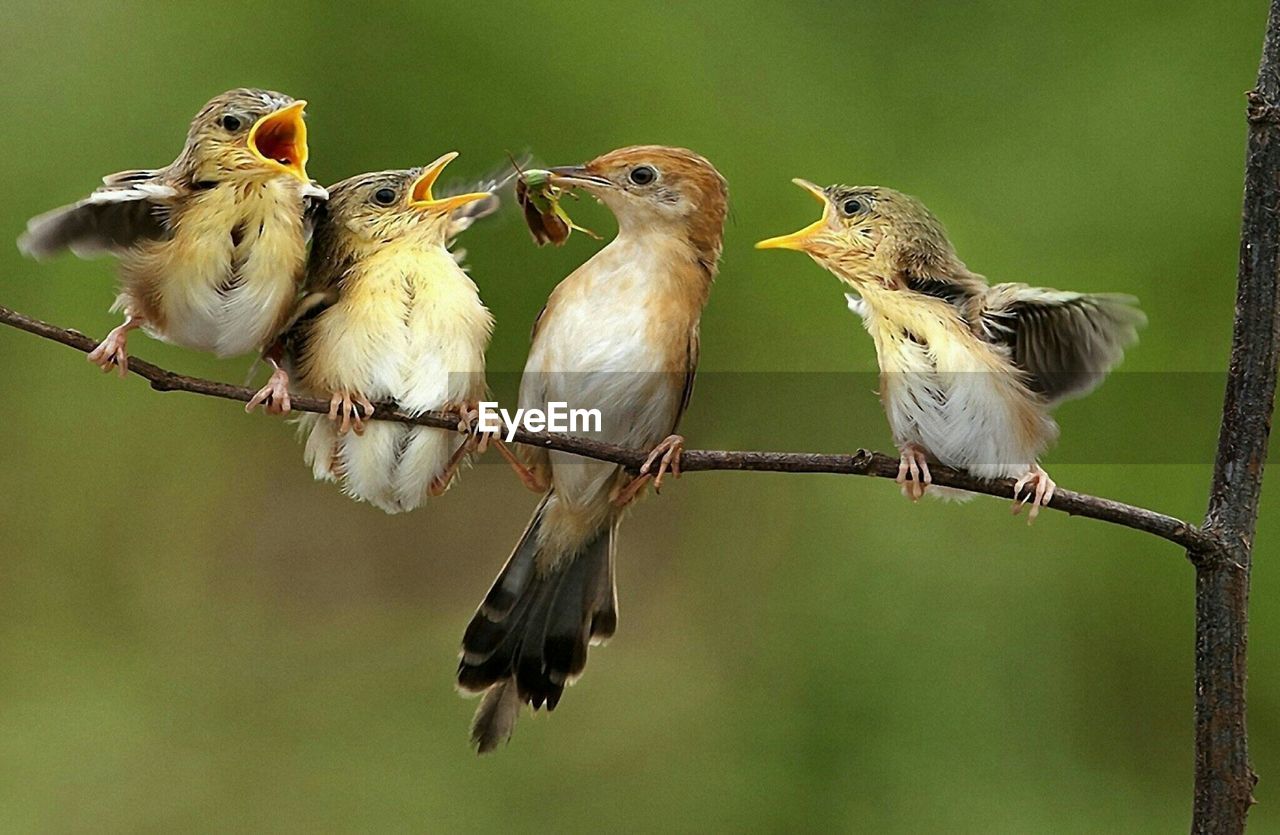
x=620 y=334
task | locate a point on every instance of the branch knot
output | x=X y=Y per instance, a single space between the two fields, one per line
x=1260 y=110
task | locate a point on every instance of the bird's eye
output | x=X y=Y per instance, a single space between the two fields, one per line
x=851 y=207
x=384 y=196
x=231 y=123
x=642 y=175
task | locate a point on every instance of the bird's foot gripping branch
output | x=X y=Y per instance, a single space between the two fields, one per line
x=860 y=463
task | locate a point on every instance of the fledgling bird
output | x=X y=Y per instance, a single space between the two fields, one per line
x=387 y=314
x=620 y=334
x=969 y=371
x=213 y=246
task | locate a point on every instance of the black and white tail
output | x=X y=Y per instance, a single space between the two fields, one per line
x=529 y=638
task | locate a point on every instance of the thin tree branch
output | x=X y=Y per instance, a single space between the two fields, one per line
x=1224 y=780
x=864 y=462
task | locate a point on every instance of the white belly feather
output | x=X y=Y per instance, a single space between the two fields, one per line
x=955 y=396
x=411 y=330
x=223 y=295
x=596 y=350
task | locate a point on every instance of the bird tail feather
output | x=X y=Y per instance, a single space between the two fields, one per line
x=528 y=640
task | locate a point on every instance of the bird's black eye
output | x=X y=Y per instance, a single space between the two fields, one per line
x=642 y=175
x=851 y=207
x=231 y=123
x=384 y=196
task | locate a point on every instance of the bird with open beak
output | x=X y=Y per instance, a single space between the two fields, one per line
x=969 y=371
x=213 y=246
x=387 y=314
x=620 y=335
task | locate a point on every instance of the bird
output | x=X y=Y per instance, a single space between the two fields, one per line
x=212 y=247
x=387 y=314
x=619 y=334
x=968 y=371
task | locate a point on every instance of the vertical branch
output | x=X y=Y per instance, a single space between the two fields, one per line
x=1223 y=778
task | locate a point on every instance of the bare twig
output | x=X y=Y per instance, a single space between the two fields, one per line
x=1224 y=780
x=864 y=462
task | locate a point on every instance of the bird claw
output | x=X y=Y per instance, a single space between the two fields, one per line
x=274 y=396
x=670 y=448
x=913 y=472
x=112 y=351
x=347 y=409
x=467 y=417
x=1040 y=496
x=469 y=425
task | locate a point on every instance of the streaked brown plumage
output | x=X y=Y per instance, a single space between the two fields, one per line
x=620 y=334
x=212 y=247
x=969 y=371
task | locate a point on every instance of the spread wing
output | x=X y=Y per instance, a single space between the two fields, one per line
x=130 y=207
x=1065 y=342
x=461 y=220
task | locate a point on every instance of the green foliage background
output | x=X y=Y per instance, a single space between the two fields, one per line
x=195 y=635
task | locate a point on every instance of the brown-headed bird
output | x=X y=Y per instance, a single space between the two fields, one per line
x=620 y=335
x=388 y=315
x=969 y=371
x=213 y=246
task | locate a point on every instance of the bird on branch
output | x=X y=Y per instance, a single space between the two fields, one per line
x=968 y=371
x=387 y=314
x=620 y=334
x=212 y=247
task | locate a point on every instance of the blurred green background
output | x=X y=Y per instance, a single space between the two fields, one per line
x=195 y=635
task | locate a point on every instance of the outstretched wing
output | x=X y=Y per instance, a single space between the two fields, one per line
x=1065 y=342
x=130 y=207
x=461 y=220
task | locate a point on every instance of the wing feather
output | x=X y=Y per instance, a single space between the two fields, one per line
x=1065 y=342
x=129 y=207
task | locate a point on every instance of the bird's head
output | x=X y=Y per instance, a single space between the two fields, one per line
x=655 y=188
x=389 y=205
x=869 y=233
x=249 y=133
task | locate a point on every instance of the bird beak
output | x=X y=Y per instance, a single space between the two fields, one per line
x=420 y=195
x=803 y=238
x=577 y=176
x=279 y=140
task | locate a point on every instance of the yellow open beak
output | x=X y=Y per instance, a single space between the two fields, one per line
x=801 y=239
x=420 y=196
x=279 y=140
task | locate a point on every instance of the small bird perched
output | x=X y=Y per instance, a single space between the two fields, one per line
x=387 y=314
x=620 y=334
x=969 y=371
x=212 y=247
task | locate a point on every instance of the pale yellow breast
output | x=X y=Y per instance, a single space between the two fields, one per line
x=408 y=326
x=227 y=278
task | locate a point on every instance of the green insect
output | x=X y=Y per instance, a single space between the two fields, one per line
x=546 y=218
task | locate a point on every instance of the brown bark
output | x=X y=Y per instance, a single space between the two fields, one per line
x=1224 y=780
